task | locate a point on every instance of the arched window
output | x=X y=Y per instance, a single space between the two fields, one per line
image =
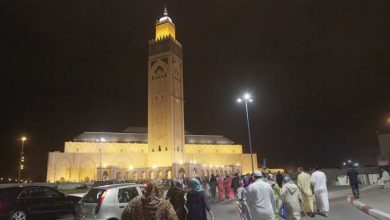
x=159 y=148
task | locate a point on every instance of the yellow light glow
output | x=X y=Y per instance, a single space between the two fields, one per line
x=165 y=29
x=23 y=138
x=181 y=161
x=154 y=166
x=131 y=167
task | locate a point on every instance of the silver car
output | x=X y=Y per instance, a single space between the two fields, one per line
x=107 y=202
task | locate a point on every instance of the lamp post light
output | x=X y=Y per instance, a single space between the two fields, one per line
x=101 y=140
x=351 y=163
x=21 y=159
x=247 y=98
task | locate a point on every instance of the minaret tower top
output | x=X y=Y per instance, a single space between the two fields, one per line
x=165 y=27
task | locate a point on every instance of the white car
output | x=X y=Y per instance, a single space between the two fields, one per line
x=107 y=202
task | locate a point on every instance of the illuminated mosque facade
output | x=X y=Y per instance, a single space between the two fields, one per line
x=162 y=150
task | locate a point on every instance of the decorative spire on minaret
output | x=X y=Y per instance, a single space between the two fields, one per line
x=165 y=10
x=165 y=16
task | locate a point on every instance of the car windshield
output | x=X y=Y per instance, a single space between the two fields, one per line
x=93 y=196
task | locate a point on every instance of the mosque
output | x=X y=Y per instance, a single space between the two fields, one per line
x=162 y=150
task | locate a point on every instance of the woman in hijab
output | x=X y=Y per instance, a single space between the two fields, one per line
x=197 y=202
x=213 y=186
x=149 y=206
x=175 y=196
x=291 y=197
x=221 y=189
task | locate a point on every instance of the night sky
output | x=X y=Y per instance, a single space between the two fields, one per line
x=319 y=72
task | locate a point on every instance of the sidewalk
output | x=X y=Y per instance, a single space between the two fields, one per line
x=374 y=200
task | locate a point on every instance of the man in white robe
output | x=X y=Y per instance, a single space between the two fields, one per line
x=386 y=179
x=318 y=180
x=260 y=199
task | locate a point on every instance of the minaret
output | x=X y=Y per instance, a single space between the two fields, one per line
x=165 y=96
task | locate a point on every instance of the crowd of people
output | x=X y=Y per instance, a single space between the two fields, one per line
x=183 y=201
x=259 y=195
x=268 y=197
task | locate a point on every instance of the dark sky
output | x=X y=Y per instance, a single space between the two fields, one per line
x=319 y=72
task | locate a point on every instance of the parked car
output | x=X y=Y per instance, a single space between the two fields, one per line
x=107 y=202
x=107 y=182
x=40 y=202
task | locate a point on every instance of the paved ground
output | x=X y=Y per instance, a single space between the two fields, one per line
x=377 y=198
x=224 y=210
x=340 y=209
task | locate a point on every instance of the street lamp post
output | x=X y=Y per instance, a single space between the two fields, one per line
x=21 y=159
x=101 y=140
x=247 y=98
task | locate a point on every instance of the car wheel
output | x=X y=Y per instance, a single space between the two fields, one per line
x=19 y=215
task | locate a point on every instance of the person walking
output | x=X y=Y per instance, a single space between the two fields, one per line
x=150 y=206
x=385 y=179
x=213 y=186
x=318 y=180
x=206 y=185
x=353 y=174
x=278 y=198
x=175 y=196
x=260 y=198
x=291 y=197
x=279 y=179
x=241 y=198
x=221 y=189
x=197 y=204
x=235 y=183
x=304 y=184
x=228 y=187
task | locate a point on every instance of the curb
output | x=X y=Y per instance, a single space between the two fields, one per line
x=368 y=209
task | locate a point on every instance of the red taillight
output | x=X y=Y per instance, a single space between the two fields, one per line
x=100 y=201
